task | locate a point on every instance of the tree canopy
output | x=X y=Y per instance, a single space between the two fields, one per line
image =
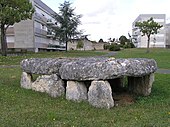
x=67 y=22
x=148 y=28
x=101 y=40
x=12 y=11
x=123 y=39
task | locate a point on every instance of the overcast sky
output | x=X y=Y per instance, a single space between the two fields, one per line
x=112 y=18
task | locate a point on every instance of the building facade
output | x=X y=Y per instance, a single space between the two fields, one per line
x=86 y=44
x=157 y=40
x=35 y=34
x=168 y=35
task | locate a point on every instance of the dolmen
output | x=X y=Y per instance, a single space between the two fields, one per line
x=88 y=79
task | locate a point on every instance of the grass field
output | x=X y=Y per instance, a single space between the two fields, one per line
x=15 y=60
x=25 y=108
x=162 y=56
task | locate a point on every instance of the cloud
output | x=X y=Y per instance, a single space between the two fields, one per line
x=95 y=7
x=98 y=16
x=113 y=18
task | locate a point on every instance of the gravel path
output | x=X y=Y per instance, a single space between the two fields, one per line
x=163 y=71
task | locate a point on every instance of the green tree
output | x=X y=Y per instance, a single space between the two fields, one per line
x=148 y=28
x=101 y=40
x=80 y=44
x=68 y=22
x=12 y=11
x=123 y=40
x=111 y=40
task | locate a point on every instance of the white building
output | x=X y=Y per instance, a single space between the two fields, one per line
x=168 y=35
x=35 y=34
x=157 y=40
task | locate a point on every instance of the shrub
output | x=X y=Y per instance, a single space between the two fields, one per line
x=80 y=44
x=106 y=46
x=114 y=47
x=129 y=45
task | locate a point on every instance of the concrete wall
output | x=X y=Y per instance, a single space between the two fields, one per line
x=168 y=35
x=98 y=46
x=24 y=34
x=88 y=45
x=72 y=45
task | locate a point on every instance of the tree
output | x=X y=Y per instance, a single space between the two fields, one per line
x=68 y=22
x=123 y=39
x=80 y=44
x=101 y=40
x=148 y=28
x=12 y=11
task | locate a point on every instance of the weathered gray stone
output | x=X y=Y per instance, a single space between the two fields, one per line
x=90 y=68
x=44 y=66
x=100 y=94
x=106 y=68
x=141 y=85
x=80 y=71
x=76 y=91
x=50 y=84
x=26 y=80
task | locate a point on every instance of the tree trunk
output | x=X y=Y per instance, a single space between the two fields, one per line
x=66 y=46
x=66 y=42
x=3 y=41
x=147 y=51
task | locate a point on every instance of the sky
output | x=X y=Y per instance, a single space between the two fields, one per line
x=112 y=18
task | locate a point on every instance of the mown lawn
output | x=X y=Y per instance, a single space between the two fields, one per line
x=25 y=108
x=162 y=56
x=15 y=59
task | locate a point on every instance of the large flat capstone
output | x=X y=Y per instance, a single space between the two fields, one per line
x=46 y=66
x=81 y=69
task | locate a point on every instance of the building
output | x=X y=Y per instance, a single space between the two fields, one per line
x=35 y=34
x=168 y=35
x=157 y=40
x=85 y=43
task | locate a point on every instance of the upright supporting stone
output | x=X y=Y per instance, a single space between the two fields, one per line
x=50 y=84
x=26 y=80
x=141 y=85
x=100 y=94
x=76 y=91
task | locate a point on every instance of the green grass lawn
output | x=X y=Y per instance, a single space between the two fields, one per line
x=162 y=56
x=21 y=107
x=15 y=60
x=25 y=108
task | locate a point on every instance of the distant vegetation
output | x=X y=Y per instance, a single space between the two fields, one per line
x=114 y=45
